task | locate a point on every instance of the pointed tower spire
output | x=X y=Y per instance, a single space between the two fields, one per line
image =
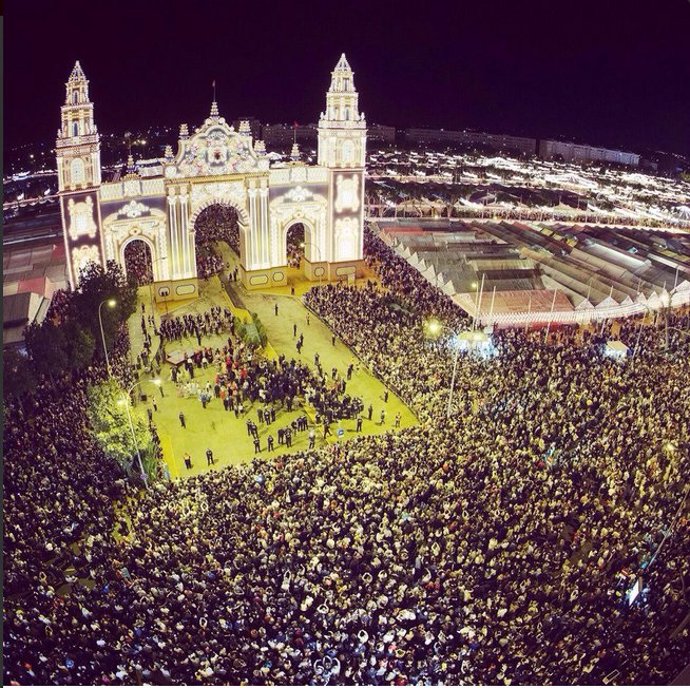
x=342 y=77
x=77 y=73
x=342 y=129
x=78 y=158
x=78 y=143
x=77 y=87
x=214 y=109
x=343 y=64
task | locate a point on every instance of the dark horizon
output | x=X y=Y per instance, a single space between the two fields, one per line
x=617 y=76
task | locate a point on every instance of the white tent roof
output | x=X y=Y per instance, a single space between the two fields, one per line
x=617 y=346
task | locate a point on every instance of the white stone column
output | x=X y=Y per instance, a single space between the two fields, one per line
x=360 y=254
x=174 y=257
x=186 y=236
x=253 y=233
x=265 y=236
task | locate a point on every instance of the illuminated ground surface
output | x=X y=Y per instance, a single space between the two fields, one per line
x=218 y=429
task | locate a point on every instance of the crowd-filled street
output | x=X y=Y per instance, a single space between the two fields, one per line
x=463 y=549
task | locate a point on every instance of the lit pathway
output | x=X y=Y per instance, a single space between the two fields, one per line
x=216 y=429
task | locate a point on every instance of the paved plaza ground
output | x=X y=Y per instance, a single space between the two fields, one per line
x=216 y=429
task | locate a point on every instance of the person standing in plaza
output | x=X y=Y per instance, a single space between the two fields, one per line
x=359 y=423
x=312 y=438
x=270 y=443
x=183 y=422
x=275 y=308
x=188 y=461
x=397 y=420
x=370 y=411
x=257 y=446
x=383 y=416
x=209 y=457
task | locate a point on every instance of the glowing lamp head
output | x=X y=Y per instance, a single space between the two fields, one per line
x=157 y=381
x=434 y=327
x=112 y=303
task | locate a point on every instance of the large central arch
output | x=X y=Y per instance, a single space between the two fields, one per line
x=207 y=202
x=214 y=224
x=137 y=257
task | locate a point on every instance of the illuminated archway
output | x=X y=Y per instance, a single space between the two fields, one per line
x=137 y=258
x=214 y=224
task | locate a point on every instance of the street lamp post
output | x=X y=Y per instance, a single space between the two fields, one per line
x=435 y=328
x=131 y=428
x=111 y=304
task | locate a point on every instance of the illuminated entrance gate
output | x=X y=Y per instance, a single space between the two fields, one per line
x=159 y=202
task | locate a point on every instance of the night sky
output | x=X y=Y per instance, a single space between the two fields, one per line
x=610 y=72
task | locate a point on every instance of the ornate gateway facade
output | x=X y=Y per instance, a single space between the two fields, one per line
x=159 y=205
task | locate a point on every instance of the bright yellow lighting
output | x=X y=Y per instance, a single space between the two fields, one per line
x=157 y=381
x=112 y=303
x=434 y=327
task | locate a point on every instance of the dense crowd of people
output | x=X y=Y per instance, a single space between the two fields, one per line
x=139 y=265
x=244 y=378
x=198 y=325
x=497 y=545
x=218 y=223
x=295 y=245
x=215 y=223
x=208 y=262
